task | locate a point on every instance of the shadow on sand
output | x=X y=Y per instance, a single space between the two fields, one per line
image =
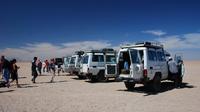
x=27 y=86
x=22 y=77
x=51 y=82
x=165 y=86
x=6 y=91
x=106 y=81
x=76 y=78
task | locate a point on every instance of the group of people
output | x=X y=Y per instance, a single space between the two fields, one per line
x=37 y=67
x=7 y=69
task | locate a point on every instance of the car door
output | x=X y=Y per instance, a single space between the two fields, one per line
x=84 y=64
x=136 y=68
x=152 y=65
x=111 y=65
x=162 y=63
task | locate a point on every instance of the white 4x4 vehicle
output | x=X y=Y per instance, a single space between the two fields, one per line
x=73 y=66
x=146 y=64
x=98 y=65
x=66 y=63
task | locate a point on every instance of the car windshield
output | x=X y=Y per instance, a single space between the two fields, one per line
x=134 y=56
x=110 y=59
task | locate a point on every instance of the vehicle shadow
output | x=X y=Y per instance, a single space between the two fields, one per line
x=76 y=78
x=106 y=81
x=165 y=86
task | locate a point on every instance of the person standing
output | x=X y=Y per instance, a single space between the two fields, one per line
x=47 y=65
x=1 y=70
x=14 y=72
x=34 y=69
x=53 y=68
x=6 y=70
x=43 y=66
x=39 y=67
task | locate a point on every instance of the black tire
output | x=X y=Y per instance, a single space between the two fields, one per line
x=130 y=85
x=156 y=84
x=93 y=79
x=81 y=77
x=101 y=76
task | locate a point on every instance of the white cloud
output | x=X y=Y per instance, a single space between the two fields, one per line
x=186 y=41
x=155 y=32
x=186 y=44
x=48 y=50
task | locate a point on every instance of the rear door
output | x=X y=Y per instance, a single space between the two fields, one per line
x=162 y=63
x=66 y=62
x=136 y=68
x=152 y=65
x=84 y=65
x=111 y=65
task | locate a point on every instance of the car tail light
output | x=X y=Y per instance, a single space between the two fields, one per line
x=145 y=72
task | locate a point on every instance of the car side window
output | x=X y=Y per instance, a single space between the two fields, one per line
x=161 y=56
x=152 y=55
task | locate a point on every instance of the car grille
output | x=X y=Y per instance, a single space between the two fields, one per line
x=111 y=69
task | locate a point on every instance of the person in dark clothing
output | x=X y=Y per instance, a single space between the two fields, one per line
x=6 y=70
x=52 y=65
x=40 y=67
x=34 y=69
x=1 y=69
x=14 y=72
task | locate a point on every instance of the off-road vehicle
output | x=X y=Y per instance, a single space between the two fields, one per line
x=99 y=65
x=146 y=63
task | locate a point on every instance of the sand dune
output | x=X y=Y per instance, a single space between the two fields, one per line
x=68 y=94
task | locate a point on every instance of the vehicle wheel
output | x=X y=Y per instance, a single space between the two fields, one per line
x=93 y=79
x=156 y=84
x=101 y=76
x=130 y=85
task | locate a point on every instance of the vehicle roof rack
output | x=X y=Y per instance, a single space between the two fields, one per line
x=104 y=50
x=144 y=44
x=94 y=51
x=108 y=50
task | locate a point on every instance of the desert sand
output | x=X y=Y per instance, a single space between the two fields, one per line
x=68 y=94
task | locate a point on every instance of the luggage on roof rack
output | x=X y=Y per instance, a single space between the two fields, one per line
x=79 y=52
x=107 y=50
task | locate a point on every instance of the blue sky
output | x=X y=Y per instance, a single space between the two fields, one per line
x=27 y=26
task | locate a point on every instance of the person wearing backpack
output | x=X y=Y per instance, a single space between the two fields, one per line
x=6 y=70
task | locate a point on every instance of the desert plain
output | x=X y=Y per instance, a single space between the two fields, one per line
x=69 y=94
